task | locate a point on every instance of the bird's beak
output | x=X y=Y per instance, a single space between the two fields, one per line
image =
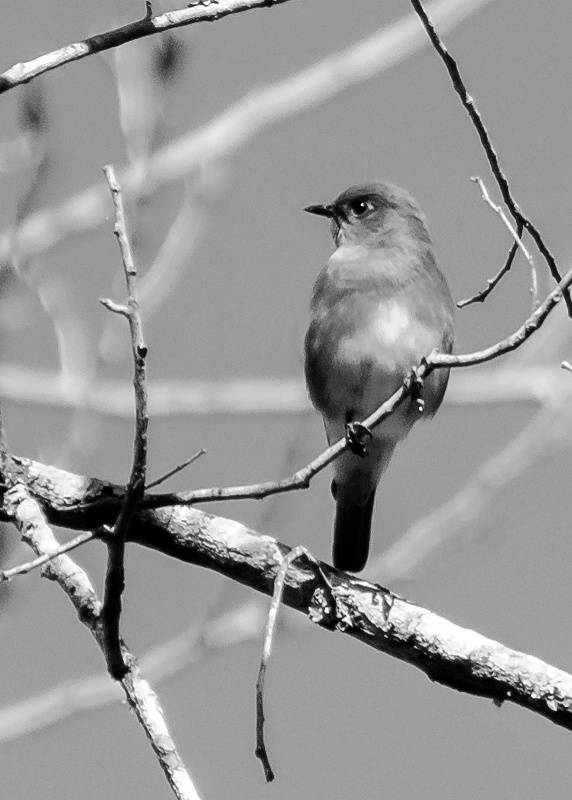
x=321 y=211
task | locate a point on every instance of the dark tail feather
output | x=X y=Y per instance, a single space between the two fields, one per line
x=352 y=528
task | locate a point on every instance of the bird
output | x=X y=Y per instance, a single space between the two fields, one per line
x=378 y=308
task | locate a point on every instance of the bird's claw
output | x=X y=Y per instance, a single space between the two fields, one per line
x=417 y=383
x=355 y=433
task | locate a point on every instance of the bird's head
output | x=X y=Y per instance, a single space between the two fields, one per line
x=370 y=213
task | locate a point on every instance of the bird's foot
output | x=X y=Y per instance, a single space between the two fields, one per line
x=356 y=432
x=322 y=608
x=417 y=383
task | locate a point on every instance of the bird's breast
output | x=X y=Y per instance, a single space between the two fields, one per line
x=389 y=337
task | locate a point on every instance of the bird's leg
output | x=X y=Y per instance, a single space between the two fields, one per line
x=417 y=384
x=356 y=432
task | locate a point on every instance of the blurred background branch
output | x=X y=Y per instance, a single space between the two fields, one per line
x=232 y=129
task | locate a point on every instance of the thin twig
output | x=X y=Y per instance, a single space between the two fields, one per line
x=481 y=296
x=5 y=455
x=260 y=750
x=176 y=469
x=515 y=235
x=30 y=521
x=533 y=285
x=22 y=569
x=115 y=576
x=324 y=609
x=517 y=239
x=293 y=451
x=116 y=308
x=175 y=255
x=490 y=152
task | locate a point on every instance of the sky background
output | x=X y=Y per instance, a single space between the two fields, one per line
x=342 y=720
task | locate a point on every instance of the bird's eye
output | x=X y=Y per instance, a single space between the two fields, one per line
x=360 y=208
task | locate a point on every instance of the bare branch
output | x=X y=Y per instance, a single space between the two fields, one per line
x=323 y=609
x=5 y=455
x=490 y=152
x=518 y=243
x=448 y=654
x=25 y=512
x=176 y=469
x=115 y=576
x=515 y=235
x=481 y=296
x=115 y=308
x=201 y=12
x=175 y=254
x=22 y=569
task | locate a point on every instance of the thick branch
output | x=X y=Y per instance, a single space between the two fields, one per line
x=456 y=657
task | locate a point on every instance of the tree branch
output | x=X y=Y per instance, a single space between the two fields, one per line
x=448 y=654
x=490 y=152
x=23 y=569
x=481 y=296
x=115 y=576
x=516 y=234
x=196 y=12
x=22 y=509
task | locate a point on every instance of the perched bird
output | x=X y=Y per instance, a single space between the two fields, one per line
x=380 y=305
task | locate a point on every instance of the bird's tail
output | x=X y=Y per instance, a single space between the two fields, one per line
x=352 y=528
